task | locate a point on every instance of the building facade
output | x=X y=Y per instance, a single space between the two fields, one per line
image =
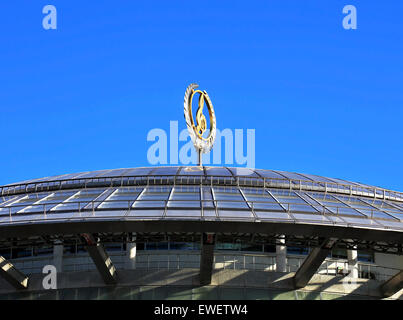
x=200 y=233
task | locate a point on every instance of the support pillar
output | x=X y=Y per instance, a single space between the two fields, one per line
x=207 y=258
x=58 y=250
x=352 y=256
x=131 y=252
x=281 y=255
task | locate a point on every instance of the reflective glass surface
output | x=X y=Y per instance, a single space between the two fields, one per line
x=202 y=193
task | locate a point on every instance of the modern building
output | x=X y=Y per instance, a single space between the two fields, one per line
x=200 y=233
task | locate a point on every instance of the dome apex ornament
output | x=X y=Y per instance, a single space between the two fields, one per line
x=202 y=138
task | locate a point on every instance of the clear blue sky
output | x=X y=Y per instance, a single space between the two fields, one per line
x=323 y=100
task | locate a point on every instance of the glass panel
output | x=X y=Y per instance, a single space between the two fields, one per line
x=293 y=176
x=153 y=197
x=235 y=214
x=261 y=200
x=229 y=198
x=146 y=213
x=79 y=200
x=392 y=224
x=272 y=215
x=269 y=174
x=91 y=174
x=21 y=202
x=183 y=213
x=334 y=205
x=114 y=173
x=245 y=172
x=207 y=197
x=185 y=197
x=217 y=171
x=362 y=221
x=291 y=201
x=121 y=198
x=311 y=217
x=164 y=171
x=138 y=172
x=47 y=203
x=8 y=199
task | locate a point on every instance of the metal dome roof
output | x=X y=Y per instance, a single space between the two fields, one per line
x=191 y=174
x=208 y=199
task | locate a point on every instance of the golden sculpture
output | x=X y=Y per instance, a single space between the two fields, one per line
x=197 y=129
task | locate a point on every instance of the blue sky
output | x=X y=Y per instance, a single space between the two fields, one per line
x=323 y=100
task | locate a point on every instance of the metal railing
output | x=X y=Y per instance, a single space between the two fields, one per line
x=176 y=260
x=202 y=209
x=255 y=181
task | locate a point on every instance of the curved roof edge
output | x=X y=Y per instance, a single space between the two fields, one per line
x=190 y=175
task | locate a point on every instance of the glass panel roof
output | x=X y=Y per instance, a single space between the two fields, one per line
x=184 y=199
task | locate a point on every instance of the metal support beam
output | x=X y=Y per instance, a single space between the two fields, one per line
x=12 y=275
x=312 y=263
x=101 y=259
x=393 y=285
x=207 y=258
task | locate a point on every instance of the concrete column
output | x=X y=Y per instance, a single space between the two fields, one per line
x=281 y=256
x=352 y=256
x=131 y=252
x=207 y=258
x=58 y=257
